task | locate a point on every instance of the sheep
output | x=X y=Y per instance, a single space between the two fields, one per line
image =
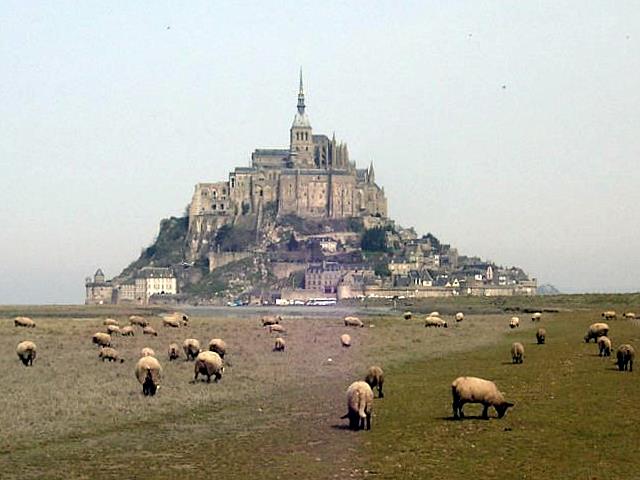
x=174 y=351
x=149 y=330
x=111 y=354
x=183 y=317
x=459 y=317
x=113 y=330
x=191 y=348
x=536 y=317
x=102 y=339
x=209 y=364
x=275 y=328
x=596 y=330
x=353 y=322
x=625 y=356
x=514 y=322
x=375 y=377
x=270 y=320
x=609 y=315
x=604 y=346
x=147 y=352
x=279 y=345
x=541 y=336
x=138 y=320
x=432 y=321
x=110 y=321
x=149 y=372
x=26 y=352
x=24 y=322
x=517 y=352
x=434 y=314
x=359 y=405
x=173 y=322
x=218 y=345
x=127 y=331
x=345 y=339
x=407 y=315
x=629 y=315
x=477 y=390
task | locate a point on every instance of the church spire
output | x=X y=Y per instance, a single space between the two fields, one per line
x=301 y=95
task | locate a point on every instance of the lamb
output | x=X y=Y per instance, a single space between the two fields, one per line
x=596 y=330
x=345 y=339
x=625 y=356
x=102 y=339
x=110 y=321
x=24 y=322
x=173 y=322
x=359 y=405
x=26 y=352
x=432 y=321
x=149 y=372
x=208 y=364
x=149 y=330
x=536 y=317
x=604 y=346
x=609 y=315
x=459 y=317
x=541 y=336
x=629 y=315
x=191 y=348
x=138 y=320
x=353 y=322
x=279 y=345
x=127 y=331
x=514 y=322
x=219 y=346
x=375 y=377
x=174 y=351
x=407 y=315
x=275 y=328
x=270 y=320
x=111 y=354
x=477 y=390
x=517 y=352
x=147 y=352
x=113 y=330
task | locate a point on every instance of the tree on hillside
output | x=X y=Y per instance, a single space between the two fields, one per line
x=374 y=240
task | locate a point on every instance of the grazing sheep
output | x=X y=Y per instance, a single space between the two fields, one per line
x=138 y=320
x=629 y=315
x=113 y=330
x=147 y=352
x=345 y=339
x=596 y=330
x=459 y=317
x=477 y=390
x=111 y=354
x=434 y=314
x=359 y=405
x=517 y=352
x=541 y=336
x=407 y=315
x=276 y=327
x=127 y=331
x=183 y=317
x=149 y=330
x=604 y=346
x=270 y=320
x=26 y=352
x=375 y=378
x=279 y=345
x=432 y=321
x=102 y=339
x=536 y=317
x=219 y=346
x=149 y=372
x=625 y=356
x=514 y=322
x=24 y=322
x=208 y=364
x=174 y=351
x=353 y=322
x=609 y=315
x=191 y=348
x=173 y=322
x=110 y=321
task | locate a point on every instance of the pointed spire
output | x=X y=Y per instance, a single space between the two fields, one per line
x=372 y=175
x=301 y=95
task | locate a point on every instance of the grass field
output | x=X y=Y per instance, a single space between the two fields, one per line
x=277 y=415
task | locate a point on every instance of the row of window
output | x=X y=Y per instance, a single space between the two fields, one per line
x=302 y=136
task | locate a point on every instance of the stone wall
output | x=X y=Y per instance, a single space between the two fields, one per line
x=219 y=259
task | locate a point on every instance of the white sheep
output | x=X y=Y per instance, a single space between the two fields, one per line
x=149 y=330
x=208 y=364
x=432 y=321
x=517 y=352
x=625 y=356
x=219 y=346
x=127 y=331
x=536 y=317
x=110 y=321
x=596 y=330
x=147 y=352
x=541 y=336
x=604 y=346
x=111 y=354
x=174 y=351
x=353 y=322
x=102 y=339
x=514 y=322
x=191 y=348
x=26 y=352
x=407 y=315
x=375 y=378
x=459 y=317
x=270 y=320
x=138 y=320
x=629 y=315
x=113 y=330
x=609 y=315
x=345 y=339
x=477 y=390
x=149 y=372
x=359 y=405
x=24 y=322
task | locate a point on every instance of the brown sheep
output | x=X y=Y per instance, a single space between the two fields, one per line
x=174 y=352
x=111 y=354
x=218 y=345
x=26 y=352
x=280 y=345
x=541 y=336
x=345 y=339
x=138 y=320
x=517 y=352
x=127 y=331
x=604 y=346
x=270 y=320
x=149 y=372
x=110 y=321
x=609 y=315
x=191 y=348
x=148 y=330
x=102 y=339
x=477 y=390
x=24 y=322
x=596 y=330
x=208 y=364
x=625 y=356
x=275 y=328
x=353 y=322
x=375 y=378
x=359 y=405
x=113 y=330
x=173 y=322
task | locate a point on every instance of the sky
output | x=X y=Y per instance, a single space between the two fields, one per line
x=507 y=129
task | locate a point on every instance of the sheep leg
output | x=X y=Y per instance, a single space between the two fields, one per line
x=631 y=365
x=208 y=378
x=485 y=411
x=369 y=421
x=380 y=394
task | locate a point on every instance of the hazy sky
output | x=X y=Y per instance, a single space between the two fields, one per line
x=508 y=129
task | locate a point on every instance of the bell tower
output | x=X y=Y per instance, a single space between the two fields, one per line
x=301 y=137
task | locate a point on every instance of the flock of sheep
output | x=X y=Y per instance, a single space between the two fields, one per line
x=210 y=362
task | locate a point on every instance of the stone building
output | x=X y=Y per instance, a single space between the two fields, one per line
x=98 y=291
x=312 y=178
x=147 y=282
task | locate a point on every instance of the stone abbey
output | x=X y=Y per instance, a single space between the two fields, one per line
x=312 y=178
